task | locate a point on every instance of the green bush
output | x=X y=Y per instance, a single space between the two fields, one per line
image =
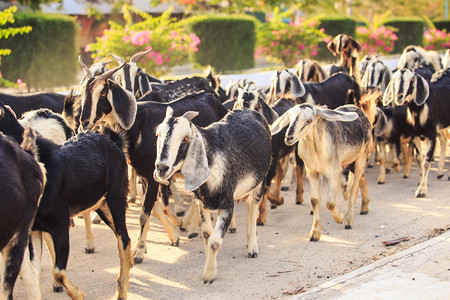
x=333 y=26
x=47 y=56
x=442 y=24
x=410 y=32
x=227 y=42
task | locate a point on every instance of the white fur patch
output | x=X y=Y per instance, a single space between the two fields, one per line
x=48 y=128
x=244 y=186
x=310 y=100
x=217 y=169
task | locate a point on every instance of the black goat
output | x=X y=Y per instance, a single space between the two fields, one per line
x=107 y=102
x=223 y=162
x=87 y=172
x=23 y=103
x=428 y=108
x=21 y=185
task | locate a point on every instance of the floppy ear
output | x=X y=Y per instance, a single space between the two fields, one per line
x=335 y=115
x=123 y=103
x=332 y=45
x=283 y=79
x=381 y=123
x=297 y=87
x=280 y=123
x=422 y=90
x=386 y=79
x=354 y=44
x=195 y=167
x=388 y=95
x=268 y=112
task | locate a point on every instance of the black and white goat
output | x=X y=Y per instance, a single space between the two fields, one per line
x=87 y=172
x=133 y=78
x=333 y=92
x=310 y=70
x=347 y=48
x=415 y=56
x=327 y=141
x=223 y=162
x=253 y=100
x=21 y=186
x=428 y=108
x=107 y=102
x=23 y=103
x=97 y=69
x=376 y=76
x=446 y=60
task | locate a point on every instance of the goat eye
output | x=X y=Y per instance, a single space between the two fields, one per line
x=103 y=93
x=309 y=121
x=187 y=138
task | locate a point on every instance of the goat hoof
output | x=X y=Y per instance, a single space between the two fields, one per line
x=273 y=206
x=364 y=212
x=388 y=171
x=405 y=176
x=285 y=188
x=370 y=166
x=252 y=255
x=311 y=213
x=180 y=213
x=313 y=239
x=89 y=251
x=298 y=202
x=208 y=281
x=380 y=182
x=440 y=176
x=259 y=223
x=348 y=226
x=176 y=244
x=182 y=229
x=232 y=230
x=420 y=195
x=138 y=260
x=192 y=235
x=58 y=289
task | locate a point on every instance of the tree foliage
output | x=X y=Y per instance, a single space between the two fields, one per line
x=7 y=17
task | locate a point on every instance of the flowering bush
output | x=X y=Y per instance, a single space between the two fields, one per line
x=435 y=39
x=168 y=39
x=380 y=40
x=288 y=43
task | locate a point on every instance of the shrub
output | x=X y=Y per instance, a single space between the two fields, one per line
x=169 y=40
x=376 y=40
x=410 y=32
x=435 y=39
x=46 y=57
x=7 y=16
x=288 y=43
x=228 y=42
x=442 y=24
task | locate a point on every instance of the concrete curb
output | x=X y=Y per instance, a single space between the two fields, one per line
x=345 y=285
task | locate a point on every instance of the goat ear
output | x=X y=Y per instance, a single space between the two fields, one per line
x=354 y=44
x=280 y=123
x=189 y=115
x=332 y=45
x=297 y=87
x=388 y=95
x=335 y=115
x=124 y=105
x=386 y=79
x=381 y=123
x=268 y=112
x=169 y=112
x=422 y=90
x=195 y=167
x=283 y=77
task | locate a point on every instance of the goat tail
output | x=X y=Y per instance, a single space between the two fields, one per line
x=29 y=142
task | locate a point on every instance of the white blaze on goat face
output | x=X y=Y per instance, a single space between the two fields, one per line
x=172 y=134
x=97 y=91
x=300 y=120
x=127 y=81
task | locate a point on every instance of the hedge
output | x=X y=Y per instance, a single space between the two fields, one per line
x=442 y=24
x=410 y=32
x=227 y=42
x=47 y=56
x=333 y=26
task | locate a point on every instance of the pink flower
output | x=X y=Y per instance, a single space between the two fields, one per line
x=195 y=39
x=387 y=49
x=159 y=59
x=87 y=48
x=173 y=33
x=19 y=81
x=322 y=29
x=314 y=53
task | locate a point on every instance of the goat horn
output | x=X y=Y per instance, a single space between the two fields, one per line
x=119 y=59
x=105 y=76
x=104 y=62
x=135 y=58
x=86 y=70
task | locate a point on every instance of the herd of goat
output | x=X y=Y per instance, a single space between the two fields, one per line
x=62 y=156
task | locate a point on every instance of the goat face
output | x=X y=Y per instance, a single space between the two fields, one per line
x=344 y=44
x=406 y=86
x=410 y=59
x=127 y=76
x=180 y=147
x=285 y=82
x=375 y=77
x=104 y=99
x=248 y=100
